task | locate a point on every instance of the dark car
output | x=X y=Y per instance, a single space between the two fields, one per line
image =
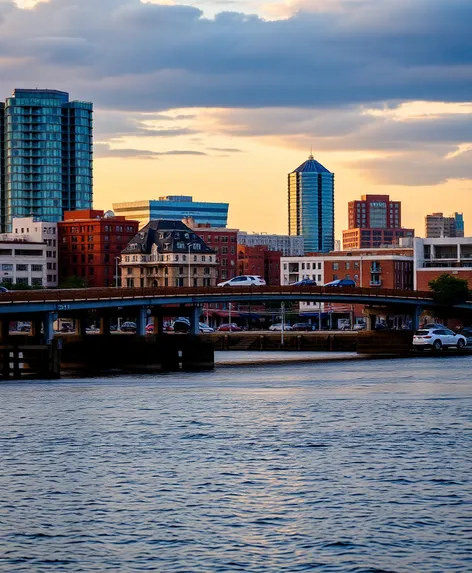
x=304 y=282
x=349 y=283
x=3 y=289
x=467 y=332
x=302 y=327
x=128 y=327
x=229 y=327
x=181 y=324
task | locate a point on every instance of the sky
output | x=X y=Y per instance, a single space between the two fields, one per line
x=221 y=99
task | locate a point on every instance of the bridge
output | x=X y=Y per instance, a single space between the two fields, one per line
x=47 y=305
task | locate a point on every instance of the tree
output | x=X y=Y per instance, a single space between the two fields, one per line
x=449 y=290
x=73 y=282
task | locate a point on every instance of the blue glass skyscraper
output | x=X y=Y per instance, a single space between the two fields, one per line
x=311 y=206
x=45 y=155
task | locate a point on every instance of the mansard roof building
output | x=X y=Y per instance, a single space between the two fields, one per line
x=167 y=253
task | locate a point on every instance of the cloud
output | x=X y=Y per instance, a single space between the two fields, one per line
x=104 y=150
x=327 y=73
x=129 y=55
x=226 y=149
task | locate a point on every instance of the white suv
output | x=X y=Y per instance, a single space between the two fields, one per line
x=438 y=338
x=244 y=280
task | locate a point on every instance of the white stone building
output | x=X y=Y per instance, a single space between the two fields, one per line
x=22 y=262
x=38 y=231
x=289 y=246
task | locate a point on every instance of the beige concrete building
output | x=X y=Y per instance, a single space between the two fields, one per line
x=167 y=254
x=438 y=226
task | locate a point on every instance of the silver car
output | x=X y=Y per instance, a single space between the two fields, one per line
x=438 y=338
x=244 y=280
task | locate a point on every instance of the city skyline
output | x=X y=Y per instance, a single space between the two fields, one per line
x=206 y=109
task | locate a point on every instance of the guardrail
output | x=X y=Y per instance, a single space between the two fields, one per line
x=88 y=294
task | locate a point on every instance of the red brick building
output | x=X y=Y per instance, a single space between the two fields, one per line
x=224 y=242
x=258 y=260
x=385 y=268
x=374 y=221
x=90 y=243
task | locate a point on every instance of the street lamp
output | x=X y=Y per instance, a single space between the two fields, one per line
x=116 y=271
x=282 y=307
x=190 y=245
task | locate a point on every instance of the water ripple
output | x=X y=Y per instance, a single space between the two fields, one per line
x=263 y=470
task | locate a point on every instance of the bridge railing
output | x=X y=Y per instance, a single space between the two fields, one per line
x=110 y=293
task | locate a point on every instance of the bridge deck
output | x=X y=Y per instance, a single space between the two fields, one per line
x=76 y=299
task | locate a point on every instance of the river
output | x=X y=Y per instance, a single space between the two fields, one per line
x=352 y=467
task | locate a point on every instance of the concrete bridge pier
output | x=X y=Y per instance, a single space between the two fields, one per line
x=105 y=324
x=195 y=319
x=141 y=321
x=4 y=328
x=80 y=326
x=415 y=318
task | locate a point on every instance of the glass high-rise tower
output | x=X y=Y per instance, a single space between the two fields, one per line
x=311 y=206
x=45 y=155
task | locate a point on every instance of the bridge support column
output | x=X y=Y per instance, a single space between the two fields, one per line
x=415 y=318
x=194 y=320
x=105 y=325
x=36 y=324
x=80 y=326
x=158 y=317
x=48 y=326
x=141 y=321
x=4 y=328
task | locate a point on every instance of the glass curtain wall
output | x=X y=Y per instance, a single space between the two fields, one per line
x=47 y=147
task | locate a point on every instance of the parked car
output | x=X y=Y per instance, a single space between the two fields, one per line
x=303 y=327
x=3 y=289
x=149 y=328
x=204 y=328
x=67 y=327
x=226 y=327
x=304 y=282
x=467 y=332
x=128 y=326
x=243 y=280
x=438 y=338
x=341 y=283
x=278 y=327
x=181 y=324
x=359 y=326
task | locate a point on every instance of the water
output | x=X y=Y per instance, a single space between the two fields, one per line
x=352 y=467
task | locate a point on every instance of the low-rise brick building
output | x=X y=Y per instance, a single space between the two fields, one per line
x=261 y=261
x=90 y=245
x=224 y=242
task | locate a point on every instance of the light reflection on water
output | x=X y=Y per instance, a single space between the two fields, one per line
x=341 y=467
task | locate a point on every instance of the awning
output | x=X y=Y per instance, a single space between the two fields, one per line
x=245 y=314
x=315 y=314
x=223 y=313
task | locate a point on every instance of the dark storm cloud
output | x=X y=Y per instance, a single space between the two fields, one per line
x=124 y=54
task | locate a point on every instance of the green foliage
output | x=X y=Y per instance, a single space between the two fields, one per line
x=14 y=286
x=73 y=282
x=449 y=290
